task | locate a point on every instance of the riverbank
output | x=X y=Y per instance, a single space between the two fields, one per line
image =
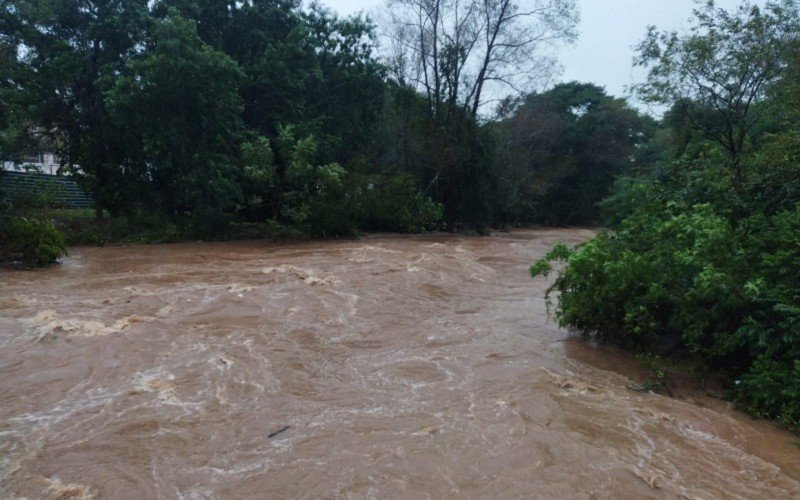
x=80 y=227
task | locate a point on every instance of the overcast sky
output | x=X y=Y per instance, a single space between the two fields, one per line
x=608 y=31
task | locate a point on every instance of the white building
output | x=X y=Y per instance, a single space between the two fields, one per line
x=46 y=163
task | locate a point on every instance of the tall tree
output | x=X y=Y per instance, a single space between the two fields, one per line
x=455 y=51
x=304 y=67
x=562 y=150
x=68 y=53
x=180 y=102
x=269 y=41
x=718 y=71
x=348 y=85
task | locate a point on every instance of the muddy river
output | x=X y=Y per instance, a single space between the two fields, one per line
x=388 y=367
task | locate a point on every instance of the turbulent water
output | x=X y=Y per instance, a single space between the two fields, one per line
x=392 y=366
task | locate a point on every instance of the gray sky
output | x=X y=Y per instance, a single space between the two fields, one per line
x=608 y=31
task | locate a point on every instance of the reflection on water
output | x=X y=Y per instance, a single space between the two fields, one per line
x=391 y=366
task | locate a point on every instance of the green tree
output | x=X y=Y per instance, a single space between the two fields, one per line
x=283 y=182
x=181 y=105
x=720 y=69
x=562 y=151
x=68 y=54
x=345 y=96
x=308 y=68
x=269 y=40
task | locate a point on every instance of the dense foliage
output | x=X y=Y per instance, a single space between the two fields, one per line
x=704 y=251
x=205 y=113
x=561 y=152
x=26 y=231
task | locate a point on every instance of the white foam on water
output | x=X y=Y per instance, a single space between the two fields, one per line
x=162 y=383
x=308 y=276
x=57 y=489
x=48 y=323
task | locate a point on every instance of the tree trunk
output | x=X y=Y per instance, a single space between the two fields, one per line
x=98 y=206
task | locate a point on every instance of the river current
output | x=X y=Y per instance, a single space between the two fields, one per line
x=387 y=367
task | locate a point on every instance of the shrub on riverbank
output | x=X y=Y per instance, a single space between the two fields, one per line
x=704 y=255
x=37 y=242
x=687 y=279
x=26 y=231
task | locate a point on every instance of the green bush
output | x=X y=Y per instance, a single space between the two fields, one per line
x=394 y=203
x=687 y=278
x=26 y=231
x=325 y=206
x=37 y=241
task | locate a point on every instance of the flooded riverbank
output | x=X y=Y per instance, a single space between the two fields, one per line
x=392 y=366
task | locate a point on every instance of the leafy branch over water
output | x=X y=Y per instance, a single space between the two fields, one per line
x=703 y=252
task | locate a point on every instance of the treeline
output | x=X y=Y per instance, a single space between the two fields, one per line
x=206 y=113
x=203 y=109
x=703 y=255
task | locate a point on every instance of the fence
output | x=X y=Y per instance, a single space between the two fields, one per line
x=67 y=193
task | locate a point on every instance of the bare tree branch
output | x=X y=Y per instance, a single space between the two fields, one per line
x=465 y=48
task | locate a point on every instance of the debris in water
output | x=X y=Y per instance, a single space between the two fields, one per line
x=59 y=490
x=278 y=432
x=652 y=479
x=570 y=383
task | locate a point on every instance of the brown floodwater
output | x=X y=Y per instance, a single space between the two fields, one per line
x=391 y=366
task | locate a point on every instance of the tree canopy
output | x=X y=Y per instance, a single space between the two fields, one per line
x=719 y=71
x=563 y=149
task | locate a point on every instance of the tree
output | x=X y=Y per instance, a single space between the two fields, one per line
x=316 y=199
x=348 y=85
x=181 y=105
x=269 y=40
x=562 y=150
x=456 y=53
x=273 y=176
x=719 y=70
x=10 y=121
x=68 y=53
x=455 y=50
x=305 y=68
